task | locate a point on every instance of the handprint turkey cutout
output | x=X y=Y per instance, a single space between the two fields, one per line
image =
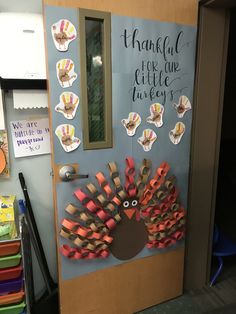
x=63 y=33
x=68 y=104
x=65 y=72
x=156 y=117
x=65 y=134
x=122 y=219
x=183 y=106
x=147 y=139
x=176 y=134
x=131 y=123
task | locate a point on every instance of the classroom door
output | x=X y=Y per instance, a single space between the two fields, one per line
x=120 y=94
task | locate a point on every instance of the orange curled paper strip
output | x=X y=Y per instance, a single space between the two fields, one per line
x=3 y=162
x=103 y=183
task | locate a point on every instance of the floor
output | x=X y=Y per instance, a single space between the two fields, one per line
x=220 y=299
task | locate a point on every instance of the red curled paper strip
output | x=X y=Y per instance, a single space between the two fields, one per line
x=155 y=183
x=130 y=186
x=163 y=169
x=75 y=253
x=91 y=205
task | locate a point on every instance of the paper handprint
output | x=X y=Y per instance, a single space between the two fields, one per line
x=65 y=72
x=63 y=32
x=176 y=134
x=131 y=123
x=65 y=134
x=183 y=106
x=147 y=139
x=156 y=117
x=68 y=104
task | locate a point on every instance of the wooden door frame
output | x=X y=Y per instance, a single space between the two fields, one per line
x=214 y=18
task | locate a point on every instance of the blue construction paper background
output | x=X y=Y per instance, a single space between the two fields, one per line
x=125 y=61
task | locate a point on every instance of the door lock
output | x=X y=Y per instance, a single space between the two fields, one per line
x=68 y=173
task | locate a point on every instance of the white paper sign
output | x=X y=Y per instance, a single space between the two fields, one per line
x=30 y=137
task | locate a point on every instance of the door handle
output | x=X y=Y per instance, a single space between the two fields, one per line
x=68 y=173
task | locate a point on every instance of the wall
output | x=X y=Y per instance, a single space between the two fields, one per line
x=36 y=171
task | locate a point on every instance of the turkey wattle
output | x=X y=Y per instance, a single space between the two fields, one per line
x=122 y=220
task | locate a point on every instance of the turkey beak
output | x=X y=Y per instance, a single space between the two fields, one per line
x=129 y=212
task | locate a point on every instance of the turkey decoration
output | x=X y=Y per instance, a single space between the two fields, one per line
x=122 y=220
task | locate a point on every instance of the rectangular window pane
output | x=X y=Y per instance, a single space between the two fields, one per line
x=95 y=62
x=95 y=79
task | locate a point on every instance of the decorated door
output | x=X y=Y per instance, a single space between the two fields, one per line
x=120 y=93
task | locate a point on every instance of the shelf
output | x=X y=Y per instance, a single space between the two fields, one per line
x=10 y=84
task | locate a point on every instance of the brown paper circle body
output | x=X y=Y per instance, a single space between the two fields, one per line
x=129 y=237
x=2 y=161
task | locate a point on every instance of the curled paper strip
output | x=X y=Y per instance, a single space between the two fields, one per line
x=65 y=72
x=147 y=139
x=176 y=134
x=65 y=134
x=131 y=123
x=68 y=104
x=63 y=33
x=156 y=117
x=183 y=106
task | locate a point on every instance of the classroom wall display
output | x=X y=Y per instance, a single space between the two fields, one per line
x=4 y=155
x=152 y=67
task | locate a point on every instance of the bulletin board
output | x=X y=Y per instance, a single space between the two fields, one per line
x=152 y=70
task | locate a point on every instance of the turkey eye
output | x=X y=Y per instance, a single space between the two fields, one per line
x=126 y=204
x=134 y=203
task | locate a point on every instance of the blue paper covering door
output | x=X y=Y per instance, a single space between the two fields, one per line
x=152 y=74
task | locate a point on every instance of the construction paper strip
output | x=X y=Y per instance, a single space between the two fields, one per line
x=75 y=253
x=130 y=186
x=103 y=183
x=114 y=174
x=144 y=173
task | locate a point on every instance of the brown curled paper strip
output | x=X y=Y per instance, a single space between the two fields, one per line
x=170 y=182
x=144 y=173
x=114 y=174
